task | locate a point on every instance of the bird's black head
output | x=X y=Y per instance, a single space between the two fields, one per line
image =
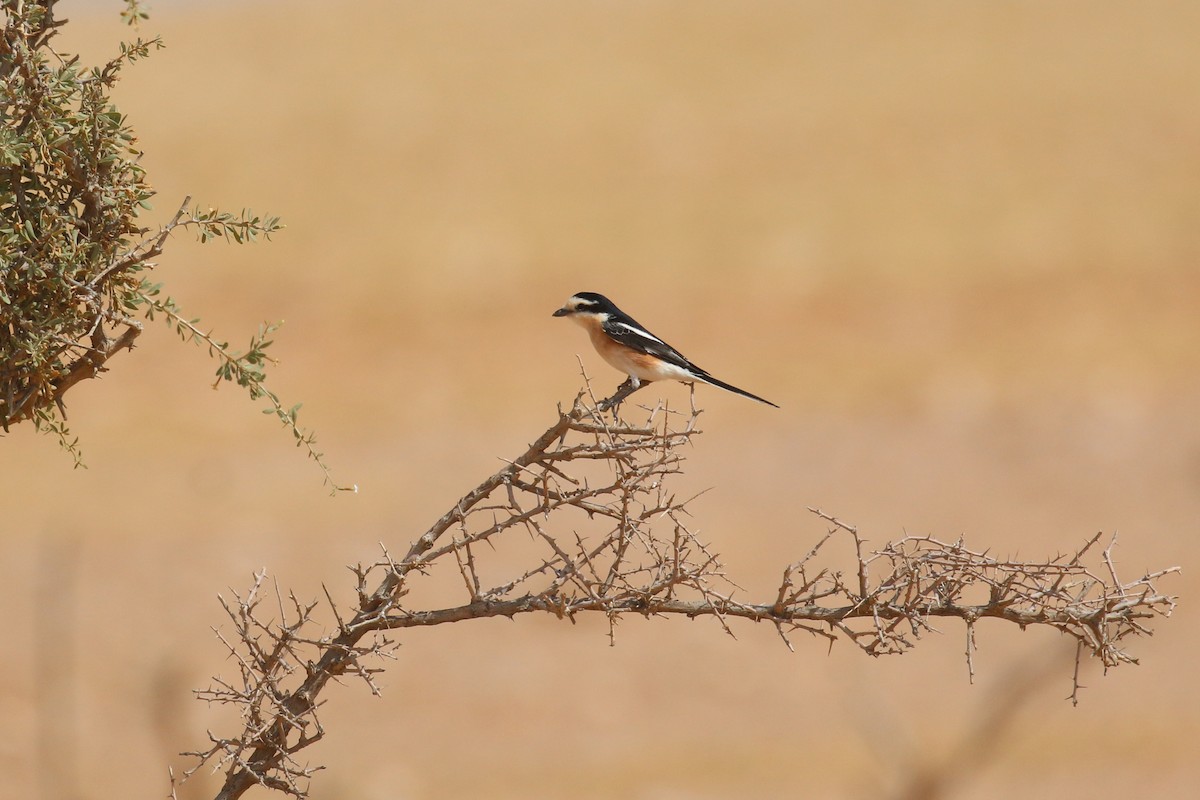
x=586 y=303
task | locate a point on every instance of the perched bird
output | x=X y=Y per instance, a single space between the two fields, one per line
x=627 y=345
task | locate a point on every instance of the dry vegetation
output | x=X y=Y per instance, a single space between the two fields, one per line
x=957 y=246
x=634 y=554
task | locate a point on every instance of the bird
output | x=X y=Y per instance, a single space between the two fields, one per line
x=626 y=344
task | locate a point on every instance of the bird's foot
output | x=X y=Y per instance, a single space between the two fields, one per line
x=624 y=390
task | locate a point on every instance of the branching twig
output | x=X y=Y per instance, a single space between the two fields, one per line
x=592 y=492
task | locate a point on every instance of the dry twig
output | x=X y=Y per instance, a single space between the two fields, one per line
x=592 y=495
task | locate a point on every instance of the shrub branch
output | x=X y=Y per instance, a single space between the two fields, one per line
x=592 y=496
x=74 y=255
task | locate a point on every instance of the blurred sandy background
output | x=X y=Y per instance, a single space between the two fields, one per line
x=958 y=243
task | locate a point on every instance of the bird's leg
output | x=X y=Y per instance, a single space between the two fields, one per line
x=627 y=388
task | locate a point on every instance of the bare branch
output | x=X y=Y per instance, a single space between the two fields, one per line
x=592 y=495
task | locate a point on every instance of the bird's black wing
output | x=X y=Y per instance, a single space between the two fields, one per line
x=625 y=330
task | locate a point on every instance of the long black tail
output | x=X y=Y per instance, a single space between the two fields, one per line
x=704 y=376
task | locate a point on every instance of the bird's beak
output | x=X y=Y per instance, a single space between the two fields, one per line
x=562 y=312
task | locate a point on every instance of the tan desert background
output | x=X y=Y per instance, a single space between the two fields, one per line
x=958 y=243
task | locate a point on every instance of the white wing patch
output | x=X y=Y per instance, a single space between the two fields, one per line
x=642 y=333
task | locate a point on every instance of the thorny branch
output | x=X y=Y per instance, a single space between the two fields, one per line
x=602 y=532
